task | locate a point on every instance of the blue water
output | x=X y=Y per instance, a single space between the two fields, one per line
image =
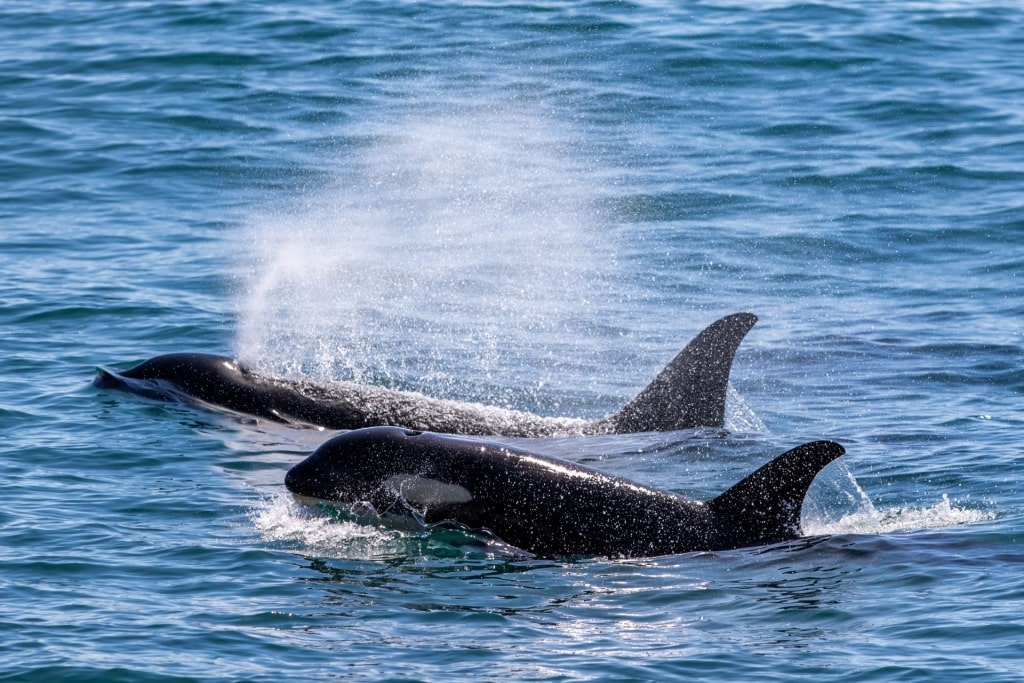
x=532 y=205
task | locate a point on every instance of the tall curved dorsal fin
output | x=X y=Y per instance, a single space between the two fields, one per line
x=690 y=392
x=765 y=507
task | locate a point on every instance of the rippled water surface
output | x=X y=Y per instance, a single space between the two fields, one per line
x=533 y=206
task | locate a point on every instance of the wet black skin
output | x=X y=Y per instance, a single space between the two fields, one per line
x=690 y=392
x=220 y=382
x=550 y=507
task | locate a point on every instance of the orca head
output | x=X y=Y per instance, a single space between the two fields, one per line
x=376 y=465
x=202 y=377
x=182 y=368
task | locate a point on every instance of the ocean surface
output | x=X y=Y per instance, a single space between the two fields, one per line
x=533 y=205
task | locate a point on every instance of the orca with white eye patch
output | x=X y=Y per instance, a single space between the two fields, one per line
x=552 y=507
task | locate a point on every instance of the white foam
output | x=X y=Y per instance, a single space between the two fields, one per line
x=283 y=520
x=942 y=514
x=836 y=504
x=871 y=521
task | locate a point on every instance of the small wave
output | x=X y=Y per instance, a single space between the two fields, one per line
x=336 y=533
x=869 y=520
x=943 y=514
x=836 y=504
x=281 y=519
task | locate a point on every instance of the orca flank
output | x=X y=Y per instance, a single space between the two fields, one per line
x=551 y=507
x=690 y=392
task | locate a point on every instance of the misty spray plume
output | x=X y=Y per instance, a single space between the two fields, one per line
x=447 y=243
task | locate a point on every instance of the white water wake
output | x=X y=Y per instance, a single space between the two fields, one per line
x=836 y=504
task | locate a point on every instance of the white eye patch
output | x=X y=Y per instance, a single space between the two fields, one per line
x=418 y=490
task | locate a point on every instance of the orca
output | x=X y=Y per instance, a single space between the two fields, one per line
x=690 y=392
x=550 y=507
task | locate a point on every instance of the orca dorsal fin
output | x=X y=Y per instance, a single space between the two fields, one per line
x=765 y=507
x=690 y=392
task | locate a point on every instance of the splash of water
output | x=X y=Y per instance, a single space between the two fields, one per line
x=836 y=504
x=739 y=416
x=450 y=241
x=282 y=520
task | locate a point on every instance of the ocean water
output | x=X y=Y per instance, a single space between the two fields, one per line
x=533 y=205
